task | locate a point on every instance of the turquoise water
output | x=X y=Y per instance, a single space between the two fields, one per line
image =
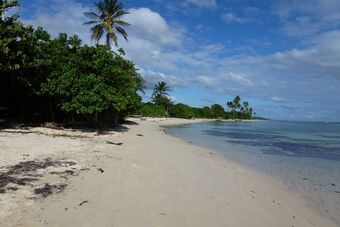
x=304 y=155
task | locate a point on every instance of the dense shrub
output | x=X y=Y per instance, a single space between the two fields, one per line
x=45 y=78
x=181 y=110
x=152 y=110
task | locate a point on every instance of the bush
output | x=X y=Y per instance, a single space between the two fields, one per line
x=152 y=110
x=182 y=111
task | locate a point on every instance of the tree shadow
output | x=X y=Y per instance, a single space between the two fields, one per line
x=100 y=128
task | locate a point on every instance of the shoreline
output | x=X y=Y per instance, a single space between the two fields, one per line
x=313 y=204
x=157 y=179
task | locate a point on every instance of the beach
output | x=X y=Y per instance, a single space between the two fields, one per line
x=136 y=175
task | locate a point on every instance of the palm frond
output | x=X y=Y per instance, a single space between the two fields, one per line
x=91 y=15
x=122 y=23
x=100 y=7
x=97 y=32
x=91 y=22
x=106 y=18
x=122 y=32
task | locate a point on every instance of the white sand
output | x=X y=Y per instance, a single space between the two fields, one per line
x=150 y=180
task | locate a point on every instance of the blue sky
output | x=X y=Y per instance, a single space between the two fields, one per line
x=282 y=56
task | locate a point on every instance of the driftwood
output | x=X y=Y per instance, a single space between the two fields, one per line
x=118 y=144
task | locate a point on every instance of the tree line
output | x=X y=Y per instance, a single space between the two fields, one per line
x=161 y=105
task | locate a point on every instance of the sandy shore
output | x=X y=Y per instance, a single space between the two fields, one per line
x=151 y=179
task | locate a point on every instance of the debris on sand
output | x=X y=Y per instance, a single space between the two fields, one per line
x=66 y=172
x=49 y=189
x=85 y=201
x=118 y=144
x=101 y=170
x=32 y=166
x=139 y=135
x=25 y=173
x=5 y=180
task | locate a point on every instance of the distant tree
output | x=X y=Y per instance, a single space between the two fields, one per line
x=244 y=109
x=206 y=112
x=234 y=105
x=151 y=110
x=217 y=111
x=181 y=110
x=161 y=88
x=160 y=96
x=106 y=18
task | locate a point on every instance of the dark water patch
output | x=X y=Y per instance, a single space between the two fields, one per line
x=284 y=148
x=302 y=150
x=241 y=135
x=330 y=136
x=256 y=143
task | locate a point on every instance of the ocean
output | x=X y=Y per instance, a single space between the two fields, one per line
x=303 y=155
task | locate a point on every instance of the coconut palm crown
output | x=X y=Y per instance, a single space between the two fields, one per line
x=161 y=88
x=106 y=20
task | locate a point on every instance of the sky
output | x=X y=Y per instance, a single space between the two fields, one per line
x=282 y=56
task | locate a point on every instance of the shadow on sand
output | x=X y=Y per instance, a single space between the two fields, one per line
x=100 y=128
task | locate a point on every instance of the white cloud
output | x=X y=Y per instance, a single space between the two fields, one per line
x=151 y=26
x=203 y=3
x=58 y=16
x=152 y=77
x=232 y=18
x=303 y=18
x=321 y=58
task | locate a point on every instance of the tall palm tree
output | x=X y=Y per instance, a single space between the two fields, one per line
x=160 y=96
x=234 y=105
x=161 y=88
x=106 y=18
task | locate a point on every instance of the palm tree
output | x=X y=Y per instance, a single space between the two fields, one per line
x=161 y=88
x=106 y=18
x=160 y=96
x=245 y=109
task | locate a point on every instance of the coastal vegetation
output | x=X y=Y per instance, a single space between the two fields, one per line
x=162 y=106
x=61 y=79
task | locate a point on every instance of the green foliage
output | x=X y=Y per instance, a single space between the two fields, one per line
x=5 y=5
x=39 y=75
x=240 y=111
x=181 y=110
x=92 y=79
x=152 y=110
x=107 y=18
x=160 y=96
x=217 y=111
